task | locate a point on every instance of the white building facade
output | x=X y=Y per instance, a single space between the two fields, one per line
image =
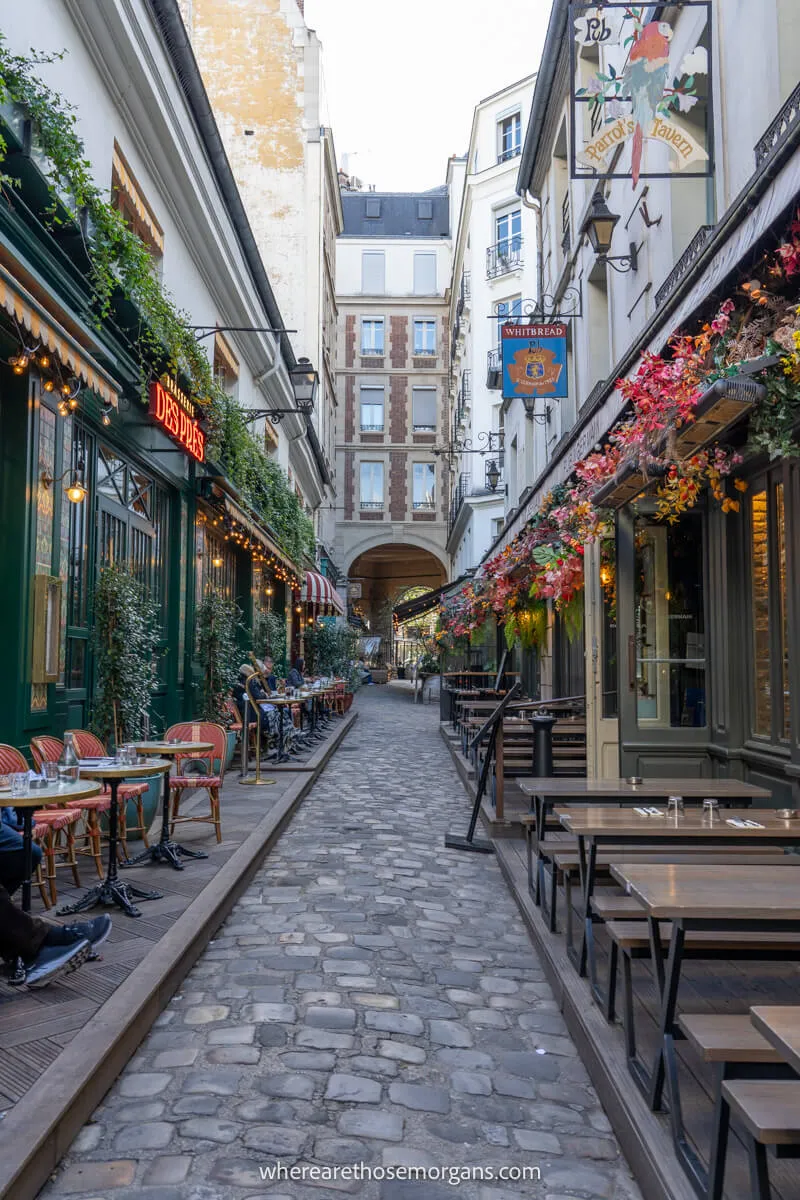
x=494 y=277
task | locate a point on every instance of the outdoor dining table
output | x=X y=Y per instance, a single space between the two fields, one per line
x=596 y=826
x=780 y=1025
x=716 y=899
x=112 y=890
x=547 y=791
x=54 y=793
x=165 y=850
x=282 y=703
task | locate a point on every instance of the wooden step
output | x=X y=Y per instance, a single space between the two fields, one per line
x=769 y=1109
x=726 y=1037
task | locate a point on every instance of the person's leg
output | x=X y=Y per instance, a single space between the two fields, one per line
x=12 y=867
x=21 y=935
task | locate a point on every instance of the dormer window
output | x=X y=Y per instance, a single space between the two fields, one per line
x=372 y=208
x=509 y=137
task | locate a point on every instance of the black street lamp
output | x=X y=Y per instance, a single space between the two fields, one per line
x=305 y=381
x=599 y=228
x=492 y=475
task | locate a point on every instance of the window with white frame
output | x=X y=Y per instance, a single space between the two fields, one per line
x=373 y=272
x=371 y=408
x=371 y=491
x=507 y=311
x=509 y=137
x=372 y=335
x=424 y=273
x=423 y=409
x=424 y=336
x=424 y=487
x=508 y=234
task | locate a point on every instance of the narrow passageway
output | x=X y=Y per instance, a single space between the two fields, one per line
x=373 y=1002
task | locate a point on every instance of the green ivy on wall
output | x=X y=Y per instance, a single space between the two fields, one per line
x=119 y=262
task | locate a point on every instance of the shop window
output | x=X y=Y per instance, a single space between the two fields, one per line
x=670 y=656
x=770 y=653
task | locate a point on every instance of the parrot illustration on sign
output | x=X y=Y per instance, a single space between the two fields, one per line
x=646 y=78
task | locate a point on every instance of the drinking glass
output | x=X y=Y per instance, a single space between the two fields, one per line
x=50 y=771
x=19 y=783
x=710 y=811
x=675 y=807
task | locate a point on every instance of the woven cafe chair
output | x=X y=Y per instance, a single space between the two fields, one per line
x=198 y=731
x=88 y=745
x=53 y=830
x=337 y=702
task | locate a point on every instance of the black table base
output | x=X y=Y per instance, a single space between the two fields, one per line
x=112 y=891
x=165 y=851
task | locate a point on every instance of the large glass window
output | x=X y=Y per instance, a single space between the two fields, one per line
x=608 y=628
x=371 y=409
x=508 y=227
x=770 y=650
x=424 y=337
x=372 y=335
x=509 y=137
x=371 y=491
x=670 y=655
x=424 y=494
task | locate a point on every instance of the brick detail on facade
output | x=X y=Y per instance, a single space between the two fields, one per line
x=372 y=439
x=370 y=515
x=423 y=439
x=372 y=364
x=397 y=484
x=424 y=364
x=423 y=516
x=350 y=408
x=350 y=340
x=349 y=483
x=399 y=341
x=398 y=408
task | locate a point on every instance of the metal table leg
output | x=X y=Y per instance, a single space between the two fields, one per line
x=112 y=890
x=165 y=851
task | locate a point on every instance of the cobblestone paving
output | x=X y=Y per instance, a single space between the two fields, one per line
x=374 y=999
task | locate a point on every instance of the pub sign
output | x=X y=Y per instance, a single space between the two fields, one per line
x=534 y=360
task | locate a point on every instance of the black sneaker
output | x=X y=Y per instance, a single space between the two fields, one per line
x=94 y=932
x=53 y=961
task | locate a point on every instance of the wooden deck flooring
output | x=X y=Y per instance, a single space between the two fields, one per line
x=706 y=987
x=36 y=1025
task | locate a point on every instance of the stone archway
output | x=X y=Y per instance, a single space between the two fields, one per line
x=384 y=572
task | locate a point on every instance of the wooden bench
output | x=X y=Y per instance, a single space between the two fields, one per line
x=735 y=1050
x=769 y=1112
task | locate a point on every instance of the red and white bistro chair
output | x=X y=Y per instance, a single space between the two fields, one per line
x=210 y=780
x=53 y=831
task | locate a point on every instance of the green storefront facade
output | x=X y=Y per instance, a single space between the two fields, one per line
x=75 y=406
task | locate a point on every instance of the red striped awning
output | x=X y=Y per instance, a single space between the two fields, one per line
x=320 y=592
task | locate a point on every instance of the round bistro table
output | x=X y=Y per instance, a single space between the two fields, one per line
x=165 y=850
x=54 y=793
x=112 y=890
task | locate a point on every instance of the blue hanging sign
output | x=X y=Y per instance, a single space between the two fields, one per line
x=534 y=360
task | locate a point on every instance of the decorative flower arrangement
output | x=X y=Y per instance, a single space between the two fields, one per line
x=545 y=561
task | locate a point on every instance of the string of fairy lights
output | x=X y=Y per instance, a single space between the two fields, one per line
x=54 y=380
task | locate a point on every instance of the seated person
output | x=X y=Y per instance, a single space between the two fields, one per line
x=296 y=677
x=364 y=674
x=47 y=951
x=11 y=857
x=269 y=716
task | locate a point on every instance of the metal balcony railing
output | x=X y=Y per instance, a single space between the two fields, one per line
x=780 y=128
x=466 y=386
x=424 y=505
x=462 y=490
x=512 y=152
x=372 y=428
x=424 y=353
x=371 y=504
x=503 y=257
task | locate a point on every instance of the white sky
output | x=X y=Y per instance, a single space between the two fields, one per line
x=402 y=79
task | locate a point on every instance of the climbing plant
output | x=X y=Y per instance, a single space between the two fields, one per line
x=219 y=622
x=125 y=641
x=269 y=637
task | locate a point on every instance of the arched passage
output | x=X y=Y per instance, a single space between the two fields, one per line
x=385 y=572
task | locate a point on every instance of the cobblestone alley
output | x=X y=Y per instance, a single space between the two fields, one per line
x=374 y=999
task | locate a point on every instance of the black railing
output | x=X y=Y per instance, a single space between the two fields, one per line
x=780 y=128
x=427 y=353
x=503 y=257
x=457 y=499
x=466 y=286
x=373 y=504
x=493 y=366
x=424 y=505
x=513 y=152
x=371 y=352
x=466 y=386
x=372 y=428
x=684 y=262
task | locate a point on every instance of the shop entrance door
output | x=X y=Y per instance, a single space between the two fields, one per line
x=602 y=723
x=663 y=673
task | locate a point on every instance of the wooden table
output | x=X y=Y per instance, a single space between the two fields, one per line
x=112 y=890
x=54 y=793
x=164 y=850
x=597 y=826
x=722 y=899
x=780 y=1025
x=547 y=791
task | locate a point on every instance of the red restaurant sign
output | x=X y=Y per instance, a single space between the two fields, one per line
x=172 y=409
